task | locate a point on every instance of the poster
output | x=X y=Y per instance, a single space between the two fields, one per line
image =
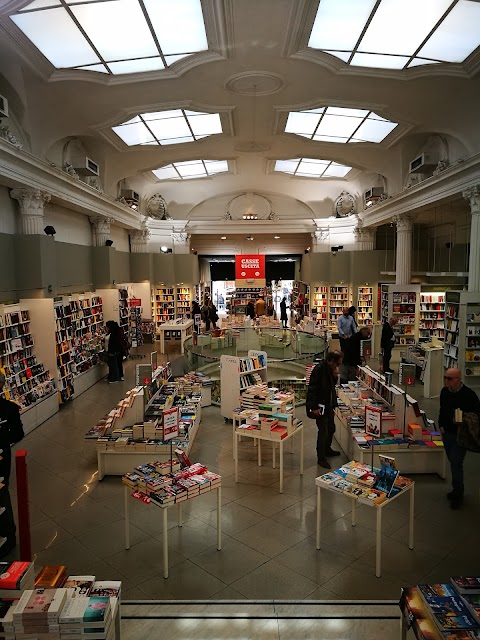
x=373 y=421
x=170 y=423
x=135 y=302
x=406 y=374
x=197 y=319
x=250 y=267
x=366 y=348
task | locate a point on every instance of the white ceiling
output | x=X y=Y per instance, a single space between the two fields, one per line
x=257 y=69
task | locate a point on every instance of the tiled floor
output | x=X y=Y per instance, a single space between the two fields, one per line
x=269 y=539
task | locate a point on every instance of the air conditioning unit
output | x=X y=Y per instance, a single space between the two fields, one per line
x=130 y=196
x=425 y=163
x=3 y=107
x=85 y=166
x=373 y=192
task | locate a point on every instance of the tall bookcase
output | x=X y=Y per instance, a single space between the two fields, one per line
x=135 y=333
x=432 y=315
x=365 y=305
x=320 y=303
x=88 y=332
x=183 y=302
x=384 y=303
x=64 y=349
x=462 y=334
x=339 y=297
x=404 y=304
x=163 y=305
x=123 y=309
x=238 y=374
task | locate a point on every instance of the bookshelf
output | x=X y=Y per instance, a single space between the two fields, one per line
x=87 y=332
x=432 y=315
x=238 y=374
x=320 y=303
x=135 y=333
x=339 y=297
x=365 y=305
x=123 y=309
x=64 y=349
x=301 y=296
x=384 y=303
x=240 y=298
x=183 y=302
x=462 y=335
x=163 y=305
x=404 y=305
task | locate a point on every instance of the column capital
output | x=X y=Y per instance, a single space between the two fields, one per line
x=473 y=197
x=139 y=240
x=101 y=229
x=31 y=204
x=404 y=222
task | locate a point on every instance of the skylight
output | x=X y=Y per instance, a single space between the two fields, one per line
x=397 y=34
x=338 y=124
x=312 y=168
x=114 y=36
x=191 y=169
x=168 y=127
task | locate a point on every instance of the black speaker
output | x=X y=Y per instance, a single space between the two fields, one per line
x=49 y=230
x=108 y=243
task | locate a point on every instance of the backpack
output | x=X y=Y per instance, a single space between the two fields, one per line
x=468 y=433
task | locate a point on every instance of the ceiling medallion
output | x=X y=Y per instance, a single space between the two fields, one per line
x=255 y=83
x=344 y=205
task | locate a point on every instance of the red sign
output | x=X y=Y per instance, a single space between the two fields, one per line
x=135 y=302
x=139 y=495
x=170 y=423
x=250 y=267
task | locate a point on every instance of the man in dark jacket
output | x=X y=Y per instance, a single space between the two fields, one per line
x=352 y=357
x=455 y=397
x=387 y=343
x=320 y=403
x=11 y=431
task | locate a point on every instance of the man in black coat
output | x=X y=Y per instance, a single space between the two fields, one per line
x=320 y=403
x=352 y=357
x=387 y=343
x=455 y=396
x=11 y=431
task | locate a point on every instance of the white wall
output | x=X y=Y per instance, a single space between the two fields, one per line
x=119 y=235
x=7 y=211
x=69 y=225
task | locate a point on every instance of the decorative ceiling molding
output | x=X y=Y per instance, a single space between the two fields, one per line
x=202 y=227
x=20 y=168
x=255 y=83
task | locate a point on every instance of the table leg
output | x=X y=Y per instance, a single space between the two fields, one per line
x=235 y=454
x=301 y=452
x=403 y=628
x=378 y=550
x=281 y=466
x=319 y=516
x=165 y=542
x=274 y=450
x=411 y=517
x=127 y=517
x=259 y=452
x=219 y=518
x=292 y=445
x=101 y=465
x=234 y=437
x=354 y=513
x=180 y=515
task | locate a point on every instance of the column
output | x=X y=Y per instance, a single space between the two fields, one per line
x=31 y=203
x=403 y=265
x=181 y=242
x=364 y=238
x=139 y=240
x=473 y=197
x=320 y=240
x=101 y=229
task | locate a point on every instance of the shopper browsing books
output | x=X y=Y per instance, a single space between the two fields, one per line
x=11 y=431
x=260 y=307
x=250 y=310
x=387 y=342
x=455 y=399
x=352 y=354
x=320 y=403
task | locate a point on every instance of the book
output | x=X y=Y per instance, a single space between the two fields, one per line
x=473 y=603
x=14 y=574
x=386 y=479
x=110 y=588
x=466 y=585
x=39 y=604
x=79 y=585
x=51 y=576
x=87 y=611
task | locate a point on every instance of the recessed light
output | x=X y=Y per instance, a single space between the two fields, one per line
x=223 y=238
x=250 y=238
x=277 y=237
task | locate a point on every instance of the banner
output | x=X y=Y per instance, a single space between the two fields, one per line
x=170 y=423
x=135 y=302
x=250 y=267
x=373 y=421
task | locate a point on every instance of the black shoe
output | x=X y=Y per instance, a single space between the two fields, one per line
x=456 y=502
x=331 y=453
x=323 y=462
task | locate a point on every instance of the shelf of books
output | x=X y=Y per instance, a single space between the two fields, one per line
x=135 y=326
x=365 y=305
x=240 y=298
x=123 y=309
x=404 y=304
x=88 y=332
x=163 y=305
x=432 y=315
x=384 y=303
x=184 y=302
x=320 y=303
x=301 y=297
x=405 y=432
x=462 y=335
x=452 y=329
x=238 y=374
x=27 y=381
x=64 y=349
x=339 y=297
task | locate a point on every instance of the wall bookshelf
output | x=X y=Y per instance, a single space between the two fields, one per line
x=183 y=302
x=432 y=315
x=365 y=305
x=64 y=350
x=88 y=332
x=384 y=303
x=238 y=374
x=123 y=309
x=135 y=326
x=452 y=329
x=26 y=379
x=462 y=335
x=241 y=296
x=403 y=304
x=339 y=297
x=163 y=306
x=320 y=303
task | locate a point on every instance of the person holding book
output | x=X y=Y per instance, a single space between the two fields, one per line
x=455 y=399
x=320 y=403
x=387 y=342
x=11 y=432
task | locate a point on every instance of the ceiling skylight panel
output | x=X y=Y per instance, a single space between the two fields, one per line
x=94 y=67
x=41 y=4
x=216 y=166
x=345 y=111
x=136 y=133
x=118 y=29
x=137 y=66
x=301 y=123
x=329 y=139
x=336 y=171
x=205 y=124
x=379 y=61
x=457 y=36
x=339 y=23
x=172 y=59
x=56 y=35
x=338 y=126
x=162 y=115
x=165 y=173
x=191 y=170
x=400 y=26
x=374 y=130
x=287 y=166
x=310 y=169
x=343 y=55
x=170 y=128
x=416 y=62
x=178 y=24
x=177 y=140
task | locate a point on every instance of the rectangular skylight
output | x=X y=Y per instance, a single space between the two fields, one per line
x=374 y=130
x=178 y=24
x=162 y=115
x=301 y=123
x=339 y=23
x=191 y=170
x=134 y=133
x=216 y=166
x=207 y=124
x=136 y=66
x=171 y=128
x=345 y=111
x=336 y=171
x=378 y=61
x=166 y=173
x=177 y=140
x=312 y=168
x=307 y=168
x=329 y=139
x=338 y=126
x=287 y=166
x=41 y=4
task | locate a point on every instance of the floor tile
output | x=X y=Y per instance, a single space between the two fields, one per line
x=232 y=562
x=398 y=560
x=274 y=580
x=354 y=541
x=301 y=516
x=143 y=561
x=266 y=501
x=192 y=538
x=71 y=553
x=318 y=565
x=235 y=518
x=110 y=538
x=86 y=519
x=186 y=581
x=355 y=583
x=269 y=537
x=46 y=534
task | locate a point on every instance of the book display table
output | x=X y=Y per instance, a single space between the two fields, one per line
x=356 y=493
x=174 y=493
x=174 y=332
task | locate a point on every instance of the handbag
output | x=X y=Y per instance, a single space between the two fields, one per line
x=468 y=432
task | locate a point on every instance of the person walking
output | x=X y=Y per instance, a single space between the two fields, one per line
x=455 y=399
x=212 y=314
x=387 y=342
x=250 y=310
x=206 y=315
x=260 y=307
x=346 y=327
x=321 y=402
x=283 y=312
x=11 y=432
x=114 y=351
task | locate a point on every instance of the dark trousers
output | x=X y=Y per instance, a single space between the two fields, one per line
x=284 y=320
x=387 y=354
x=113 y=372
x=456 y=456
x=326 y=429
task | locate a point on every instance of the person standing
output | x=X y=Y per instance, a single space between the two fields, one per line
x=114 y=351
x=212 y=314
x=260 y=307
x=352 y=357
x=351 y=312
x=346 y=327
x=455 y=396
x=321 y=402
x=283 y=312
x=250 y=310
x=206 y=315
x=11 y=431
x=196 y=311
x=387 y=342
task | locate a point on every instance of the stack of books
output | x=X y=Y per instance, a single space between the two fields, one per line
x=51 y=576
x=15 y=577
x=37 y=613
x=89 y=616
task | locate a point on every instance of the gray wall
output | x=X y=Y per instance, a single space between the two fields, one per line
x=8 y=283
x=121 y=266
x=141 y=267
x=74 y=267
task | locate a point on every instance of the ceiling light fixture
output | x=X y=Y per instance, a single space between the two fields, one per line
x=250 y=216
x=250 y=238
x=276 y=237
x=223 y=237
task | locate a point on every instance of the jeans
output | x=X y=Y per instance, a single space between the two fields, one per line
x=387 y=354
x=456 y=456
x=326 y=429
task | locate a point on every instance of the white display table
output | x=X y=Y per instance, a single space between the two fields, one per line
x=185 y=327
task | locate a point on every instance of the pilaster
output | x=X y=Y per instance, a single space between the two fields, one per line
x=473 y=197
x=139 y=241
x=403 y=266
x=31 y=206
x=101 y=229
x=181 y=242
